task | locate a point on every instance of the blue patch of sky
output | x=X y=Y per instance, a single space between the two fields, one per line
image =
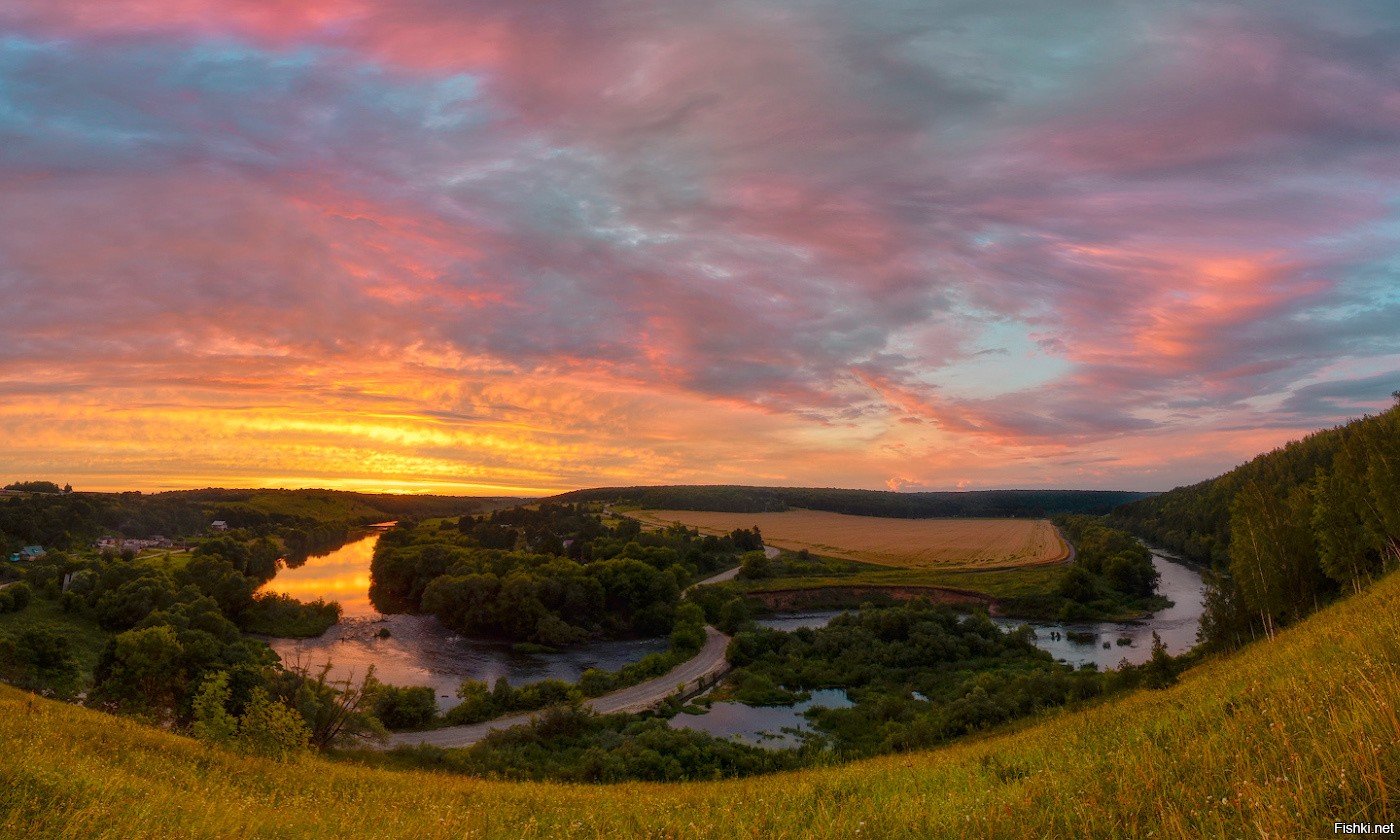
x=1003 y=359
x=69 y=103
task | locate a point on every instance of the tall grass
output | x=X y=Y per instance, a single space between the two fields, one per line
x=1277 y=741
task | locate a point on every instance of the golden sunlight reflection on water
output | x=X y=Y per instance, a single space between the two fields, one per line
x=342 y=575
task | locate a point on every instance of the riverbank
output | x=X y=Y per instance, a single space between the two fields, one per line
x=686 y=679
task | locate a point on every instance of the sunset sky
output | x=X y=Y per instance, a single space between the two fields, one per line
x=523 y=246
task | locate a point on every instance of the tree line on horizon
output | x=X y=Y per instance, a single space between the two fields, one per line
x=306 y=521
x=1287 y=532
x=972 y=503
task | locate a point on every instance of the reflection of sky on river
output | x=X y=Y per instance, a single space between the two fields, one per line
x=1176 y=625
x=419 y=650
x=761 y=725
x=342 y=575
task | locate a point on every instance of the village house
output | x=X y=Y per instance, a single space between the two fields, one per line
x=29 y=552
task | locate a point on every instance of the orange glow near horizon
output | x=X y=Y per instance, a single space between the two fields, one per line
x=503 y=248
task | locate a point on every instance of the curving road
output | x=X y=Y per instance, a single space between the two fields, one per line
x=687 y=677
x=693 y=674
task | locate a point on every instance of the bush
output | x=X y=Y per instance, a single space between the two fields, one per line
x=271 y=728
x=756 y=566
x=20 y=594
x=212 y=720
x=405 y=708
x=595 y=682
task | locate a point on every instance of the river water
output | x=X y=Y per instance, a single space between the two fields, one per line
x=1176 y=625
x=418 y=650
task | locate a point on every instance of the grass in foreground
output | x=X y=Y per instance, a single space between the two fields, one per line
x=1276 y=742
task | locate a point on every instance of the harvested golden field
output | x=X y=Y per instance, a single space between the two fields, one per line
x=909 y=543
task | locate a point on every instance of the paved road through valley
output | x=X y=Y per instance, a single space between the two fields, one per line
x=701 y=668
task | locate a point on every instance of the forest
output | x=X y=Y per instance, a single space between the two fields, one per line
x=1288 y=531
x=164 y=629
x=306 y=521
x=1035 y=504
x=552 y=575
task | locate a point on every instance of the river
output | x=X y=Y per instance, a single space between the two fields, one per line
x=1176 y=625
x=417 y=649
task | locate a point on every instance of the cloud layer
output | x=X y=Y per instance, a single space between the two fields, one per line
x=489 y=245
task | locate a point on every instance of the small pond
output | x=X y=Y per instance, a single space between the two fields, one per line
x=761 y=725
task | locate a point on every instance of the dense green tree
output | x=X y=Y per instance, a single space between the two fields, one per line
x=145 y=667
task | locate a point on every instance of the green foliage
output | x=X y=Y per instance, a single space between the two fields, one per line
x=271 y=729
x=919 y=674
x=274 y=614
x=575 y=745
x=212 y=720
x=995 y=503
x=755 y=566
x=480 y=703
x=1287 y=531
x=1318 y=702
x=221 y=579
x=404 y=708
x=39 y=658
x=614 y=580
x=15 y=597
x=1112 y=573
x=145 y=667
x=34 y=487
x=331 y=709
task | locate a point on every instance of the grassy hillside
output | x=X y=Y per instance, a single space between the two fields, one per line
x=1277 y=741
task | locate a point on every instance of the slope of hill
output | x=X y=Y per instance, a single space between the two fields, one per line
x=739 y=499
x=1278 y=741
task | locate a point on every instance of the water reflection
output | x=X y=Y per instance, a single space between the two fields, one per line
x=417 y=650
x=762 y=725
x=342 y=575
x=420 y=651
x=1176 y=625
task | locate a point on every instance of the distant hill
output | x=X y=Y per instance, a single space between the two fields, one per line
x=741 y=499
x=72 y=520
